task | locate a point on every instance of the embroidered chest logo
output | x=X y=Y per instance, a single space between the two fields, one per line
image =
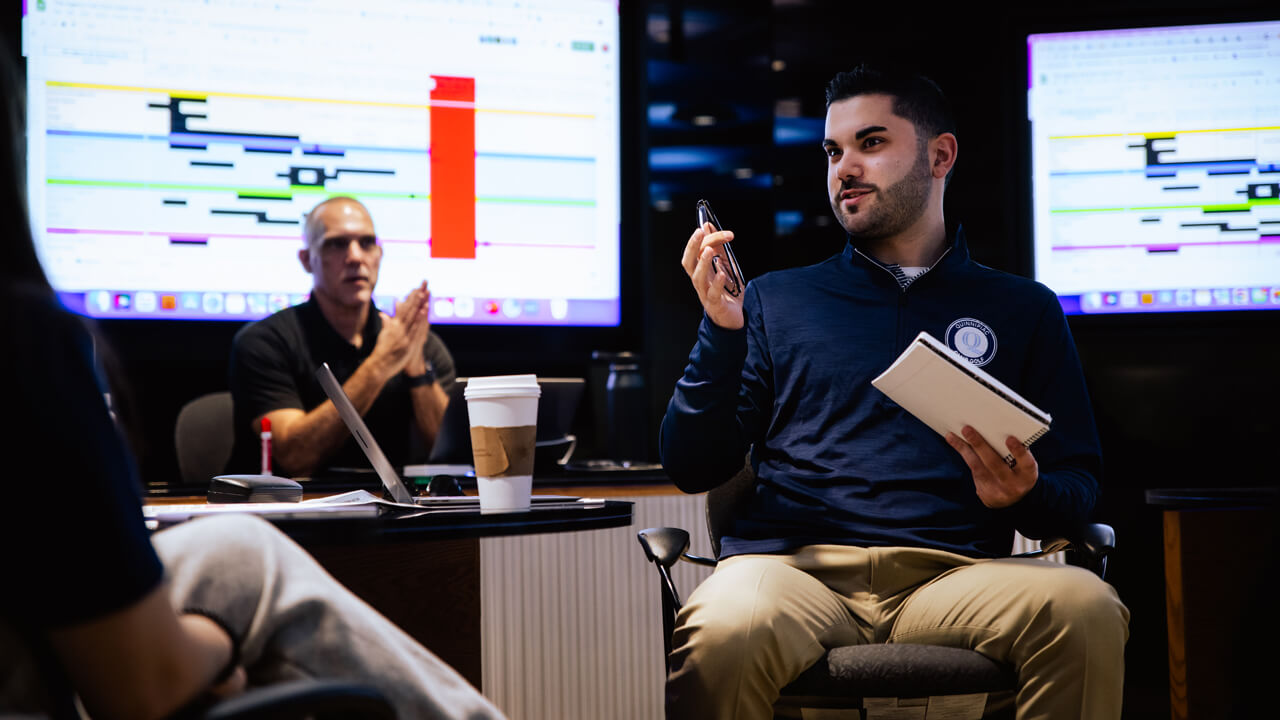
x=972 y=339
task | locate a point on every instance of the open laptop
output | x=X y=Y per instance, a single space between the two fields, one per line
x=386 y=472
x=347 y=411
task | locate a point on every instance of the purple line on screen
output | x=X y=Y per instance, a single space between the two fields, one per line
x=1136 y=32
x=189 y=240
x=537 y=245
x=1030 y=72
x=92 y=231
x=1262 y=239
x=76 y=231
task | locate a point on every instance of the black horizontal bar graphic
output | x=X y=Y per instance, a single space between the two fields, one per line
x=260 y=215
x=211 y=163
x=175 y=202
x=1221 y=226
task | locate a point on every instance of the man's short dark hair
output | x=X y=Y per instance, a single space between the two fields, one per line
x=915 y=97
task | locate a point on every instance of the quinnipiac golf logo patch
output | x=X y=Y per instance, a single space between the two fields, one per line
x=973 y=339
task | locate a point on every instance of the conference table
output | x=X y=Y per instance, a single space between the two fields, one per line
x=421 y=569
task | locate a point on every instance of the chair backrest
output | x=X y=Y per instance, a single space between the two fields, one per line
x=203 y=437
x=723 y=501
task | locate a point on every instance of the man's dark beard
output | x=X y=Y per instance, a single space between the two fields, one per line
x=901 y=204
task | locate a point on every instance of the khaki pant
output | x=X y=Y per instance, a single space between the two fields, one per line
x=761 y=620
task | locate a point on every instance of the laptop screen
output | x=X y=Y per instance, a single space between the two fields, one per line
x=347 y=411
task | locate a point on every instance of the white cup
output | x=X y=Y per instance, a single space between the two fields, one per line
x=504 y=417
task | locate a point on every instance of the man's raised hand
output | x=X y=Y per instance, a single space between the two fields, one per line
x=420 y=327
x=709 y=277
x=400 y=341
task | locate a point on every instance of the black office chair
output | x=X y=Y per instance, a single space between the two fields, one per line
x=845 y=677
x=203 y=436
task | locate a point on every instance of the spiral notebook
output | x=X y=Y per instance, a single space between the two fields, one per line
x=946 y=392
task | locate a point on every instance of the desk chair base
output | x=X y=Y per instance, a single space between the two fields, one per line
x=883 y=680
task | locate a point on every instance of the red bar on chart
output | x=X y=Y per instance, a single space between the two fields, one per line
x=453 y=167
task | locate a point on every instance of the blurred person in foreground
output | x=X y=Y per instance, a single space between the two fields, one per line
x=144 y=626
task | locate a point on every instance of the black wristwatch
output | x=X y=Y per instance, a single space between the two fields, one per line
x=426 y=378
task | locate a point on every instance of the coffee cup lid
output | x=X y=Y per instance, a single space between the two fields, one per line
x=502 y=386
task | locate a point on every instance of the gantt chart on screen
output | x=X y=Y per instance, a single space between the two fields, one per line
x=1156 y=167
x=175 y=147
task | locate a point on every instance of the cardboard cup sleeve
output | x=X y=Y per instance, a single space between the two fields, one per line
x=503 y=451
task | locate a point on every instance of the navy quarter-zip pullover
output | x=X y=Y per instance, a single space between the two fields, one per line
x=840 y=463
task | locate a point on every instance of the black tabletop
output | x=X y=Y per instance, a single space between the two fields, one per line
x=368 y=480
x=1215 y=498
x=454 y=524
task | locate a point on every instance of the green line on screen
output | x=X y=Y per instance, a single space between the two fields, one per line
x=1227 y=207
x=309 y=189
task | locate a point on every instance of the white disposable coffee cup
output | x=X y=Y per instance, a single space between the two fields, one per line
x=504 y=415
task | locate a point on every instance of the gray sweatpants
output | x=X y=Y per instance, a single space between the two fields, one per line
x=293 y=619
x=296 y=621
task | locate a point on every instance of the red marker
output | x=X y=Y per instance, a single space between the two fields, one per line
x=266 y=446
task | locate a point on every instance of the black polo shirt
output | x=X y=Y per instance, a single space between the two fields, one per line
x=273 y=364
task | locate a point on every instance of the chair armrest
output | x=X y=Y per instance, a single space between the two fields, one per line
x=328 y=699
x=698 y=559
x=663 y=546
x=1087 y=546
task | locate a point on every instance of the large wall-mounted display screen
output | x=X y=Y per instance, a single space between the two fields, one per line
x=175 y=146
x=1156 y=167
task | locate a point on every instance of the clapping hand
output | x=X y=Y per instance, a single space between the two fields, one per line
x=401 y=339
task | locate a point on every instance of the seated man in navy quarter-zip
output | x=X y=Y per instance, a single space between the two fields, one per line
x=865 y=525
